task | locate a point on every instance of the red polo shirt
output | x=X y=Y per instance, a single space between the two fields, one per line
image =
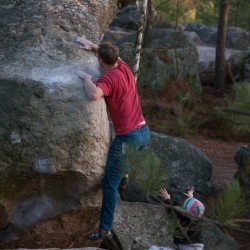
x=120 y=93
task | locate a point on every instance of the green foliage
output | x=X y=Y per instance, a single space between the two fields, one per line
x=184 y=10
x=145 y=170
x=231 y=204
x=205 y=12
x=239 y=105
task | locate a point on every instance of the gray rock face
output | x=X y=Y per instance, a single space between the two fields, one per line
x=138 y=226
x=186 y=165
x=126 y=18
x=214 y=238
x=236 y=38
x=242 y=158
x=247 y=68
x=206 y=33
x=111 y=35
x=158 y=61
x=53 y=139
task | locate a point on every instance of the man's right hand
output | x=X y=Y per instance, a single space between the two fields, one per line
x=83 y=75
x=87 y=45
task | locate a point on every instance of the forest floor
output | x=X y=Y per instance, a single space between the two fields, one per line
x=220 y=150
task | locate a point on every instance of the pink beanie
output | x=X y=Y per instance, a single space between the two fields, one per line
x=194 y=206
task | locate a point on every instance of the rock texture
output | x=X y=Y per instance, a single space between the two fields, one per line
x=138 y=226
x=236 y=38
x=215 y=239
x=186 y=165
x=247 y=68
x=242 y=158
x=53 y=139
x=168 y=55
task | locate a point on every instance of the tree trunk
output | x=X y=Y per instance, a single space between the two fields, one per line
x=237 y=14
x=149 y=23
x=139 y=38
x=220 y=45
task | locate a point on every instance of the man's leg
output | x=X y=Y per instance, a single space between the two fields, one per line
x=139 y=138
x=114 y=170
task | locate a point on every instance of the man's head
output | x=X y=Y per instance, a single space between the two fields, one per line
x=108 y=53
x=194 y=206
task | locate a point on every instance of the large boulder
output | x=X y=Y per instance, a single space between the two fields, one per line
x=207 y=34
x=237 y=38
x=241 y=61
x=53 y=139
x=247 y=68
x=169 y=55
x=185 y=164
x=242 y=158
x=215 y=239
x=126 y=18
x=112 y=35
x=139 y=226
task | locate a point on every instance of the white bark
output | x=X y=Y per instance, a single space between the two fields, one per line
x=139 y=38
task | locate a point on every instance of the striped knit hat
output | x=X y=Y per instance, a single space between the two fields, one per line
x=194 y=206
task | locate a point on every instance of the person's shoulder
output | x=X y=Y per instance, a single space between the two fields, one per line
x=121 y=62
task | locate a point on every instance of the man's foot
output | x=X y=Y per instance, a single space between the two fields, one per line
x=124 y=182
x=101 y=234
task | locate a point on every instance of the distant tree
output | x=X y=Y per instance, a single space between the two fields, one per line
x=220 y=45
x=149 y=22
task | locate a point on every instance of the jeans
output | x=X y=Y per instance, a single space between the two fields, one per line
x=115 y=168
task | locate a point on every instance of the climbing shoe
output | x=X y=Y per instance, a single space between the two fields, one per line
x=98 y=234
x=124 y=182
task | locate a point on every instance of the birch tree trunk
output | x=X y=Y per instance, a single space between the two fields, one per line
x=139 y=38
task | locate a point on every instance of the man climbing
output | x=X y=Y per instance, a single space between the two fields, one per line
x=117 y=85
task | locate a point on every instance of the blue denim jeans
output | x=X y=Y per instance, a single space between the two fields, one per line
x=115 y=168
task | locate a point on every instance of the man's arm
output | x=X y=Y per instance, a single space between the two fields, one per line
x=87 y=45
x=94 y=92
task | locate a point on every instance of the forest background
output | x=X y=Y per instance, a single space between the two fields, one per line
x=222 y=113
x=204 y=12
x=223 y=110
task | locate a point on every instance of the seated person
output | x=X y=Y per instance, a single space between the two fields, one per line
x=187 y=232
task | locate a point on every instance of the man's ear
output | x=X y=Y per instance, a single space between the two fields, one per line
x=100 y=61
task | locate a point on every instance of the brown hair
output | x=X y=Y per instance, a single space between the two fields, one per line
x=108 y=53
